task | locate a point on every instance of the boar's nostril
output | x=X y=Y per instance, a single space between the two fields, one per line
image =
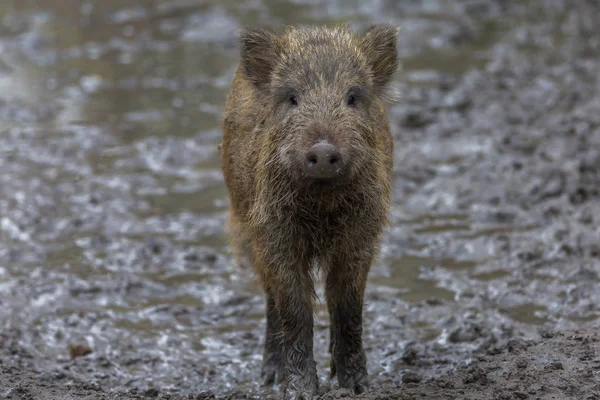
x=323 y=161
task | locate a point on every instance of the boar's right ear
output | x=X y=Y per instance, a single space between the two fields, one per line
x=379 y=45
x=259 y=52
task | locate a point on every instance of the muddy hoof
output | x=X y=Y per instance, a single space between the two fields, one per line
x=353 y=377
x=289 y=394
x=359 y=385
x=301 y=388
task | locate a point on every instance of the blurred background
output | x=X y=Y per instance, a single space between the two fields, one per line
x=112 y=203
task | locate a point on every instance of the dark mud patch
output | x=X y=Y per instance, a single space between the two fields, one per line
x=559 y=366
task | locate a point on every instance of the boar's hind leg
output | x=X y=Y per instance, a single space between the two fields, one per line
x=272 y=367
x=344 y=289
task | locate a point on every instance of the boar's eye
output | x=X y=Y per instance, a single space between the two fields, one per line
x=354 y=96
x=351 y=100
x=293 y=100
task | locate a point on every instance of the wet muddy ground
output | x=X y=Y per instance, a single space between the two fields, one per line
x=116 y=281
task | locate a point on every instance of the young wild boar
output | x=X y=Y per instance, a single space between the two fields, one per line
x=307 y=158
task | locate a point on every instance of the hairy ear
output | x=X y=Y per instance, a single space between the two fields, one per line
x=379 y=44
x=259 y=52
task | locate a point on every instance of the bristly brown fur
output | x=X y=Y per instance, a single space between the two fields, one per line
x=283 y=223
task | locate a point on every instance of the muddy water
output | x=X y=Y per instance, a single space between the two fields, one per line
x=112 y=205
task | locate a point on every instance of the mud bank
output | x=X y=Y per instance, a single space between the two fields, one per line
x=558 y=366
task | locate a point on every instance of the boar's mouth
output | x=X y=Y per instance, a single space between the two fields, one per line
x=324 y=185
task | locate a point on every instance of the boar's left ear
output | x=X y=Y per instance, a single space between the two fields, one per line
x=259 y=53
x=379 y=44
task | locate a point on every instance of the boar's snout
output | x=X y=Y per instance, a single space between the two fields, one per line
x=323 y=161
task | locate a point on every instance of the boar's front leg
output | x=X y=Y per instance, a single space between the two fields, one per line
x=272 y=364
x=292 y=288
x=344 y=289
